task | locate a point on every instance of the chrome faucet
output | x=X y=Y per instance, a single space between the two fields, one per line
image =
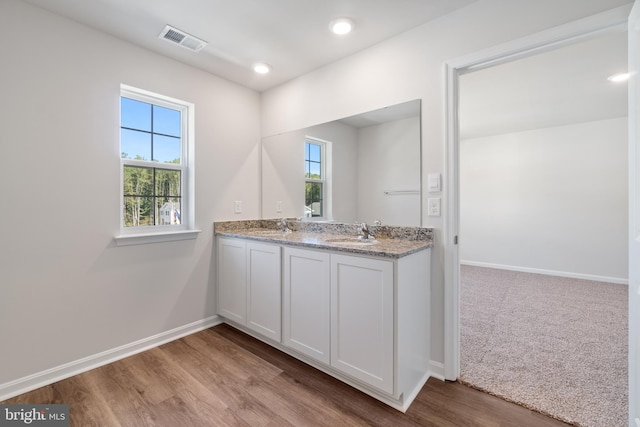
x=364 y=231
x=283 y=223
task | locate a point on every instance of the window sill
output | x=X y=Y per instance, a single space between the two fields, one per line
x=142 y=239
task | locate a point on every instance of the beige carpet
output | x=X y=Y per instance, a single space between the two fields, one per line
x=552 y=344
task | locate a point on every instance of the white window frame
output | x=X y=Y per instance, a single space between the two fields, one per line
x=325 y=159
x=163 y=233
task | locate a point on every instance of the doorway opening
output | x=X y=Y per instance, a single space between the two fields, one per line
x=513 y=163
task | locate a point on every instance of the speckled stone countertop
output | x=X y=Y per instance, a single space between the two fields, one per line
x=390 y=242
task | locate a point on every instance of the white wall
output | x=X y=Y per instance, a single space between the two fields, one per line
x=411 y=66
x=552 y=199
x=389 y=160
x=283 y=174
x=66 y=291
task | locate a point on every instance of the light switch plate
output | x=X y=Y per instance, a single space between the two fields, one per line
x=433 y=183
x=433 y=206
x=238 y=206
x=279 y=206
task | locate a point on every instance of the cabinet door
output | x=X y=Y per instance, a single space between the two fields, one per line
x=362 y=319
x=264 y=290
x=232 y=281
x=306 y=302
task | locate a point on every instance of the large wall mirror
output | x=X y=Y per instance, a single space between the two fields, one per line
x=363 y=168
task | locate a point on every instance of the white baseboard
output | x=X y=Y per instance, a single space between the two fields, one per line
x=410 y=397
x=436 y=370
x=616 y=280
x=49 y=376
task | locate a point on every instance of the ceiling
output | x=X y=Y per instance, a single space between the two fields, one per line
x=563 y=86
x=290 y=35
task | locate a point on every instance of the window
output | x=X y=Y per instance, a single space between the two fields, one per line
x=315 y=178
x=156 y=164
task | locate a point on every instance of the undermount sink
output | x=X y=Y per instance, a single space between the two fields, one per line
x=352 y=240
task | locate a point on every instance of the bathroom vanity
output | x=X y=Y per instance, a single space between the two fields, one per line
x=357 y=309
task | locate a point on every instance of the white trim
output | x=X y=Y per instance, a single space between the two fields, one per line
x=633 y=26
x=554 y=37
x=408 y=398
x=436 y=370
x=151 y=97
x=546 y=40
x=326 y=152
x=615 y=280
x=58 y=373
x=186 y=166
x=141 y=239
x=451 y=365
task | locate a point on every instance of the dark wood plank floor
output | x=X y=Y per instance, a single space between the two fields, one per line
x=222 y=377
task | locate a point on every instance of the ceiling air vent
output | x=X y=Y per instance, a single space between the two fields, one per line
x=181 y=38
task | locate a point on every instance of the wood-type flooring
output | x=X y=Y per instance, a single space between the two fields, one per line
x=223 y=377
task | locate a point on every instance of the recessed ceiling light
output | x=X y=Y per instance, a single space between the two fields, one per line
x=261 y=68
x=620 y=77
x=341 y=26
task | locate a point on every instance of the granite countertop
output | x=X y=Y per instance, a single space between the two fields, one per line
x=390 y=242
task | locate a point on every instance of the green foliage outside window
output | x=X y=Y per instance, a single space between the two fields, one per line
x=146 y=190
x=313 y=197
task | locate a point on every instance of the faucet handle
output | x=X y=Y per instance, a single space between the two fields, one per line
x=364 y=231
x=283 y=223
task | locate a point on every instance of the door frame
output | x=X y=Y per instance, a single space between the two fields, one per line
x=634 y=218
x=583 y=29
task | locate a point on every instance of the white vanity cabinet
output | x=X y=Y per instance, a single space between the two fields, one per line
x=365 y=317
x=232 y=279
x=362 y=319
x=306 y=313
x=264 y=288
x=249 y=285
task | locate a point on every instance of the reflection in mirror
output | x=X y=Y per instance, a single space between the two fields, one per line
x=363 y=168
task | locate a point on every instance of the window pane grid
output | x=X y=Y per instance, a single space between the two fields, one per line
x=314 y=179
x=314 y=198
x=153 y=160
x=313 y=160
x=150 y=130
x=152 y=196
